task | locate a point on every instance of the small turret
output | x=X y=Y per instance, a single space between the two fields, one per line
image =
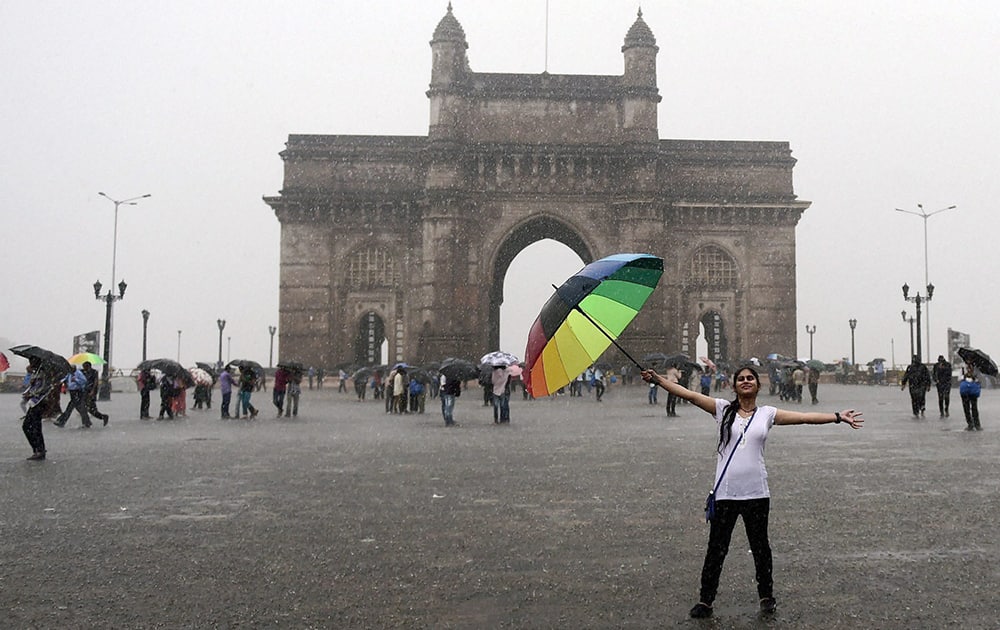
x=640 y=55
x=448 y=45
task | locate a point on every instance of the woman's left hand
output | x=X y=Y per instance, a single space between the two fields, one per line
x=852 y=418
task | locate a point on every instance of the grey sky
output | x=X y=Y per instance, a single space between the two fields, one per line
x=885 y=104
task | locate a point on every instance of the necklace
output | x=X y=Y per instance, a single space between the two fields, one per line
x=748 y=410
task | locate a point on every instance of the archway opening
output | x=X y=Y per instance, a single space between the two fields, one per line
x=550 y=265
x=528 y=284
x=712 y=337
x=371 y=347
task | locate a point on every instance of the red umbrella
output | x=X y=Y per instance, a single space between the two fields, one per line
x=4 y=363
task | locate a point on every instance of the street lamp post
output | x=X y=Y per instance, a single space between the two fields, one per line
x=229 y=347
x=811 y=331
x=145 y=323
x=918 y=300
x=222 y=324
x=910 y=321
x=926 y=215
x=178 y=346
x=104 y=391
x=853 y=323
x=272 y=330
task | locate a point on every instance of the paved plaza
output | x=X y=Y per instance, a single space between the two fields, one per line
x=578 y=514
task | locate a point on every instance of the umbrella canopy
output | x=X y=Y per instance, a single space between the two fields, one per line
x=4 y=363
x=241 y=363
x=816 y=364
x=584 y=316
x=168 y=367
x=455 y=369
x=55 y=363
x=420 y=374
x=515 y=370
x=362 y=373
x=655 y=359
x=294 y=366
x=403 y=365
x=975 y=358
x=499 y=357
x=208 y=367
x=201 y=377
x=86 y=357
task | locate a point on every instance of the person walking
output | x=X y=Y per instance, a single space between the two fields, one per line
x=248 y=381
x=674 y=375
x=146 y=383
x=279 y=388
x=918 y=377
x=969 y=389
x=93 y=383
x=294 y=389
x=166 y=397
x=226 y=389
x=451 y=388
x=812 y=379
x=798 y=379
x=741 y=488
x=40 y=385
x=501 y=394
x=342 y=377
x=76 y=385
x=941 y=375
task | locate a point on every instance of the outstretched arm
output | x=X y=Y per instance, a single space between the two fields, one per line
x=672 y=386
x=851 y=417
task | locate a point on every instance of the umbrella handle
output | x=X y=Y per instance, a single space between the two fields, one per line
x=576 y=307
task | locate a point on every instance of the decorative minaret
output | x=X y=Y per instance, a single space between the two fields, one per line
x=639 y=81
x=449 y=72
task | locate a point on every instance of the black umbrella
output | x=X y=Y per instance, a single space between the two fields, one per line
x=655 y=358
x=975 y=358
x=458 y=369
x=170 y=368
x=52 y=362
x=253 y=365
x=294 y=366
x=420 y=374
x=208 y=367
x=362 y=373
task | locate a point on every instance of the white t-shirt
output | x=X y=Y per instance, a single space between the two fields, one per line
x=746 y=477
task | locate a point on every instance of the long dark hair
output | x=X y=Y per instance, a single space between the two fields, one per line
x=729 y=413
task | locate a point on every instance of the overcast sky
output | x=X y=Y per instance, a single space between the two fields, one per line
x=886 y=105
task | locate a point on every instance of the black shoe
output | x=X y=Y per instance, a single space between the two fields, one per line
x=768 y=605
x=701 y=611
x=106 y=418
x=59 y=424
x=87 y=426
x=37 y=456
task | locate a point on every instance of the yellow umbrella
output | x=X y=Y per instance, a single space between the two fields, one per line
x=86 y=357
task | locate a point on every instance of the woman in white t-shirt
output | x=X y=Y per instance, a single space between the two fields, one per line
x=742 y=489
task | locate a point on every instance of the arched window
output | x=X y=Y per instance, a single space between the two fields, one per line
x=712 y=266
x=372 y=268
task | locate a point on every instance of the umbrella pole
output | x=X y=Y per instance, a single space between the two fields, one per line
x=605 y=333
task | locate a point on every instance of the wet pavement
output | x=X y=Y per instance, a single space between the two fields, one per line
x=577 y=515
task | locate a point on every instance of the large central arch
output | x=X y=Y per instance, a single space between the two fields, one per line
x=422 y=229
x=528 y=232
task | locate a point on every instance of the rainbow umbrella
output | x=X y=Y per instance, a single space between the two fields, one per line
x=86 y=357
x=585 y=316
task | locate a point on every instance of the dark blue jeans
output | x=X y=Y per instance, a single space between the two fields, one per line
x=501 y=408
x=754 y=513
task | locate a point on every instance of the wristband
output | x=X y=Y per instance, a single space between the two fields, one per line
x=837 y=415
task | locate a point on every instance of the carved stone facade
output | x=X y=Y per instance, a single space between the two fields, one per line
x=409 y=238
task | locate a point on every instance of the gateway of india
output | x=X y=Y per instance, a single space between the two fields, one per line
x=404 y=241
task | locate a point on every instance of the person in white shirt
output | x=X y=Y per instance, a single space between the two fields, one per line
x=740 y=477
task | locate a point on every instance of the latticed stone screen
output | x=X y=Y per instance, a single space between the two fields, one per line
x=372 y=268
x=713 y=267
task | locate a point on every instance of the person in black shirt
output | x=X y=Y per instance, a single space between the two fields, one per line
x=942 y=380
x=918 y=377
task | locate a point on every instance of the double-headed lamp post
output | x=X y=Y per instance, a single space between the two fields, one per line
x=811 y=331
x=272 y=330
x=222 y=324
x=909 y=320
x=918 y=300
x=104 y=391
x=145 y=323
x=853 y=323
x=926 y=215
